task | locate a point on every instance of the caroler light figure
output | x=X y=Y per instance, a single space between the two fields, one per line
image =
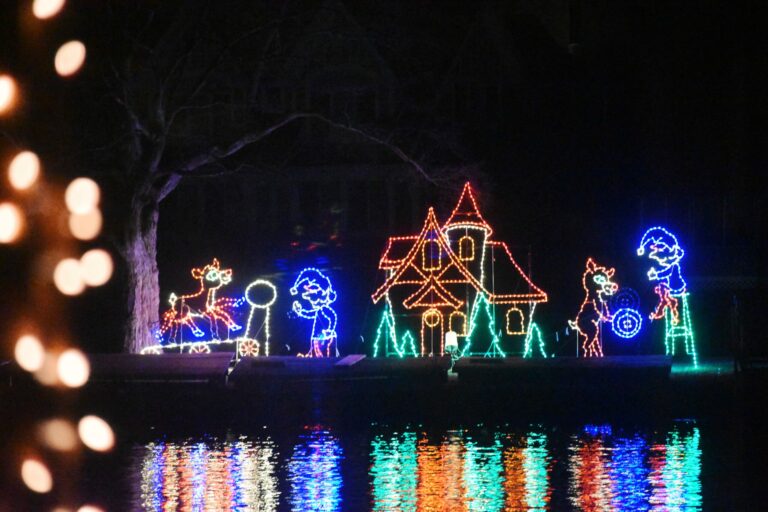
x=315 y=294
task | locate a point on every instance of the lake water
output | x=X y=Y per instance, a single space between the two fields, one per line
x=408 y=468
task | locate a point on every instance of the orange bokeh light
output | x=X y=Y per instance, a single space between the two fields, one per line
x=69 y=58
x=24 y=170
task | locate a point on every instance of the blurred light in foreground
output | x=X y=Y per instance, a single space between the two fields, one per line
x=24 y=170
x=58 y=434
x=36 y=476
x=29 y=353
x=67 y=278
x=43 y=9
x=90 y=508
x=7 y=93
x=69 y=58
x=96 y=267
x=82 y=195
x=46 y=375
x=96 y=434
x=85 y=226
x=11 y=222
x=73 y=368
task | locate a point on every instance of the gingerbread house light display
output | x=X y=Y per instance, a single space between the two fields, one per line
x=453 y=277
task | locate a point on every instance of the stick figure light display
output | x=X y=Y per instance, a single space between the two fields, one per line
x=260 y=295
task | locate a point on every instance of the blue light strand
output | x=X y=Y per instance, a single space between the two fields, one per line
x=317 y=294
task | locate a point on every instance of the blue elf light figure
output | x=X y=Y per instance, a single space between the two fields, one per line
x=663 y=248
x=316 y=294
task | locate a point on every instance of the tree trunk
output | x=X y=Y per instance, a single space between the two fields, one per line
x=140 y=253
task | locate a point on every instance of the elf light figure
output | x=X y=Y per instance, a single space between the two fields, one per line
x=317 y=294
x=662 y=247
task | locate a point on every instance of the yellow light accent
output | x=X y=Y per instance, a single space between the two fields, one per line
x=466 y=248
x=432 y=319
x=515 y=321
x=457 y=323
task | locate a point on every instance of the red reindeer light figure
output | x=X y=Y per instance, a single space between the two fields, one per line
x=594 y=310
x=184 y=313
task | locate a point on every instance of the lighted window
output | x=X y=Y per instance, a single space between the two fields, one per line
x=431 y=254
x=457 y=323
x=515 y=321
x=466 y=248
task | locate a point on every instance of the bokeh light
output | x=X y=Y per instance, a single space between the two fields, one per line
x=47 y=374
x=24 y=170
x=95 y=433
x=11 y=222
x=29 y=353
x=58 y=434
x=36 y=476
x=67 y=278
x=69 y=58
x=7 y=93
x=73 y=368
x=96 y=267
x=82 y=195
x=90 y=508
x=85 y=226
x=43 y=9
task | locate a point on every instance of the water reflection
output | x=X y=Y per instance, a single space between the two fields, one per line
x=314 y=472
x=394 y=477
x=622 y=472
x=236 y=475
x=483 y=476
x=593 y=468
x=676 y=472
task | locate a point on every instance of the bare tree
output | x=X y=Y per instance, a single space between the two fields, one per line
x=170 y=65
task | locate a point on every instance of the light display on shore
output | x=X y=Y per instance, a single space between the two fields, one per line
x=195 y=322
x=661 y=246
x=534 y=332
x=598 y=286
x=627 y=321
x=260 y=295
x=188 y=311
x=314 y=295
x=448 y=278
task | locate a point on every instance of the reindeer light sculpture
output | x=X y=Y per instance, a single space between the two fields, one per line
x=187 y=310
x=597 y=284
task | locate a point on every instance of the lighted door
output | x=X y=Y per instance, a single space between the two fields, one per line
x=432 y=333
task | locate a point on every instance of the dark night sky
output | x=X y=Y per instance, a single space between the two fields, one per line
x=612 y=116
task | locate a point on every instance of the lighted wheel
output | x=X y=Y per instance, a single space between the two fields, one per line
x=249 y=348
x=626 y=323
x=200 y=348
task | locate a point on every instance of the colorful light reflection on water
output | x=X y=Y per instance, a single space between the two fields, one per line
x=232 y=475
x=595 y=468
x=314 y=471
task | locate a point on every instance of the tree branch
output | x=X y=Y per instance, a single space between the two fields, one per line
x=217 y=153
